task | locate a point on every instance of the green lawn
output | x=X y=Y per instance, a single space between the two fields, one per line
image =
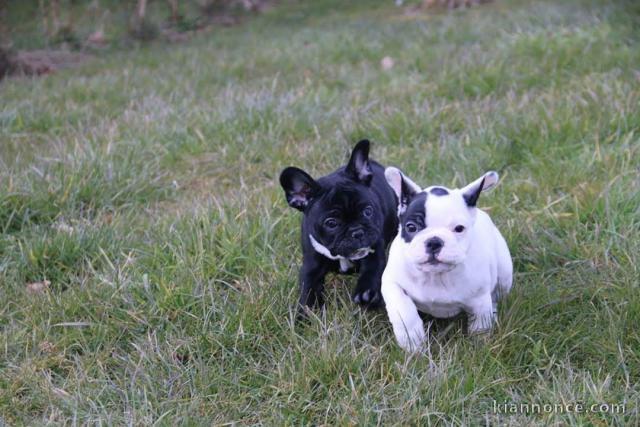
x=143 y=186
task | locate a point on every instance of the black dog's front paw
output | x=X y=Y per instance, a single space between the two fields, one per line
x=371 y=298
x=302 y=313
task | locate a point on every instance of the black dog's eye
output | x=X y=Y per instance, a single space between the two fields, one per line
x=411 y=227
x=459 y=228
x=330 y=223
x=367 y=212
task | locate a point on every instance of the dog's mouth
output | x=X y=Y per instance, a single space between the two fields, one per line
x=360 y=253
x=432 y=262
x=352 y=256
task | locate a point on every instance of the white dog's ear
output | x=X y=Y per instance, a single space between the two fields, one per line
x=471 y=192
x=404 y=188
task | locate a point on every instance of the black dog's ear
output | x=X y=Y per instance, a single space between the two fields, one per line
x=471 y=192
x=359 y=166
x=299 y=187
x=404 y=187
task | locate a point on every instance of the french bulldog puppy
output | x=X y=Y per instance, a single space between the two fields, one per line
x=349 y=219
x=447 y=258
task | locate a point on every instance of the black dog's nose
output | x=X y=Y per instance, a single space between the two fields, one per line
x=357 y=234
x=434 y=245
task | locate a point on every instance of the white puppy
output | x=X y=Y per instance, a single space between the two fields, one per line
x=448 y=257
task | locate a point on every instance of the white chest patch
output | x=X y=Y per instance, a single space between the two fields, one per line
x=345 y=262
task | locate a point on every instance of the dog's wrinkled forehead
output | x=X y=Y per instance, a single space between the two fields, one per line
x=434 y=205
x=346 y=197
x=445 y=203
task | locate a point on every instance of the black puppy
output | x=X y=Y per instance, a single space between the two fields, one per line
x=349 y=220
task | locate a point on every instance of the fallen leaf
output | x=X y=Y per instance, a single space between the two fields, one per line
x=60 y=392
x=46 y=347
x=387 y=63
x=97 y=38
x=64 y=228
x=74 y=324
x=38 y=287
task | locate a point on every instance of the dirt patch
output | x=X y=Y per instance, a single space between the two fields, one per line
x=442 y=4
x=5 y=63
x=38 y=62
x=452 y=4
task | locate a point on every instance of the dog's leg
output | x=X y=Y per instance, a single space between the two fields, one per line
x=367 y=290
x=505 y=268
x=403 y=315
x=481 y=314
x=312 y=274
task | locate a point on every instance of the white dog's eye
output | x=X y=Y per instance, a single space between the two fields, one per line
x=411 y=227
x=459 y=228
x=368 y=211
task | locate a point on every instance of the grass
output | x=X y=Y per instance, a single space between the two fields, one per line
x=143 y=186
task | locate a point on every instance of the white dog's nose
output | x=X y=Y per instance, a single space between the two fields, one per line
x=433 y=245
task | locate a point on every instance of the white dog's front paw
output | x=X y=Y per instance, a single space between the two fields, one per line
x=481 y=323
x=411 y=340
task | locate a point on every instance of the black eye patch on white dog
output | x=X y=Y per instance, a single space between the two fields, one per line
x=414 y=216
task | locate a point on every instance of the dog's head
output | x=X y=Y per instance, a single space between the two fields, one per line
x=342 y=214
x=436 y=223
